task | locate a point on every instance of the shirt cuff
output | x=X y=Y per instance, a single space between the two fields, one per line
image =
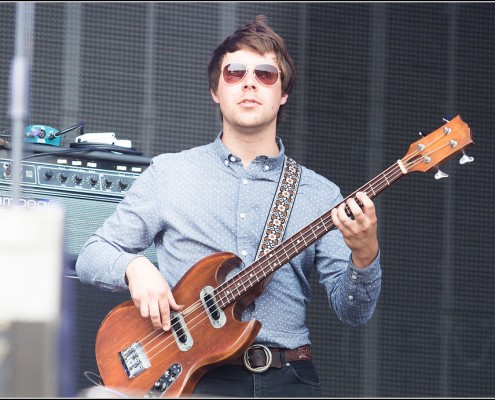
x=119 y=268
x=364 y=275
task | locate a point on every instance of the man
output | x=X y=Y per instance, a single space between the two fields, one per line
x=216 y=198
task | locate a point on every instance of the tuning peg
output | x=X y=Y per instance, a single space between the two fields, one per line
x=440 y=174
x=465 y=158
x=421 y=134
x=447 y=119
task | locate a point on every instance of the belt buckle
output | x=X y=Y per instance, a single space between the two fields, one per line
x=257 y=370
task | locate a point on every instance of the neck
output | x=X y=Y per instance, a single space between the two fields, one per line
x=250 y=145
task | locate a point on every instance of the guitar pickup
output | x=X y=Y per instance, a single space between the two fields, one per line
x=134 y=360
x=215 y=313
x=179 y=329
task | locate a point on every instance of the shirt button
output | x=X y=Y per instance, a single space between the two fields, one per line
x=350 y=297
x=242 y=215
x=232 y=159
x=226 y=162
x=266 y=168
x=244 y=252
x=245 y=181
x=353 y=276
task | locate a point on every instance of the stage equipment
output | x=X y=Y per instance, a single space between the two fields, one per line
x=88 y=185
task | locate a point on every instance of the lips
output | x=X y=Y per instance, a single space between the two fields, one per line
x=249 y=101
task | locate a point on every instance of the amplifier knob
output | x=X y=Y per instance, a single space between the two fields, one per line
x=77 y=179
x=63 y=177
x=108 y=182
x=93 y=180
x=122 y=184
x=48 y=175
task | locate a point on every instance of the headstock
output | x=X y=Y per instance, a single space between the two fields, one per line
x=437 y=147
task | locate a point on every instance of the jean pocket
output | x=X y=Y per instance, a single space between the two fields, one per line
x=305 y=372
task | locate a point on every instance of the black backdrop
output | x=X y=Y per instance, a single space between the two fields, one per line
x=370 y=77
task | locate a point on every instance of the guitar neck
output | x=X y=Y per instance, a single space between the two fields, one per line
x=252 y=275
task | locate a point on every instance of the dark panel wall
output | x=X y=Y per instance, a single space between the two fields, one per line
x=370 y=77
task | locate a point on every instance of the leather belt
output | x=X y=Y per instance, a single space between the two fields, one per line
x=258 y=358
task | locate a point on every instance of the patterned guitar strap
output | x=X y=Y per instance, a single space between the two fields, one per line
x=280 y=211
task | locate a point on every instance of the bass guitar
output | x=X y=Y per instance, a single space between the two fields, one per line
x=137 y=359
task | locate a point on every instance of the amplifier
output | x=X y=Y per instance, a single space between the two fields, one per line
x=88 y=186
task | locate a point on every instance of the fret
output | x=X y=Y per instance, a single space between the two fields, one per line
x=371 y=188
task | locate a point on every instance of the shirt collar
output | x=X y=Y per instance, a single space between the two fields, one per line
x=270 y=162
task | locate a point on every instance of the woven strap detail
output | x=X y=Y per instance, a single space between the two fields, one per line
x=281 y=207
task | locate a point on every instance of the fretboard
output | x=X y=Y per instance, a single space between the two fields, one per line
x=245 y=280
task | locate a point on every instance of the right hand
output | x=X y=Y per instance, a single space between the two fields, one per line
x=150 y=292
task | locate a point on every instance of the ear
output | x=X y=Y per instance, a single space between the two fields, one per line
x=214 y=95
x=284 y=99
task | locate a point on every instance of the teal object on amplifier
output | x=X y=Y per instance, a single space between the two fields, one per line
x=42 y=134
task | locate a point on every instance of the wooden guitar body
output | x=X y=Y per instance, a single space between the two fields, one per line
x=211 y=346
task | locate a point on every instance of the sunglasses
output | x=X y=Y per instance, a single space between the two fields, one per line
x=265 y=73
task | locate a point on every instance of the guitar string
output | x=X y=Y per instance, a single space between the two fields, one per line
x=225 y=288
x=194 y=306
x=321 y=219
x=223 y=291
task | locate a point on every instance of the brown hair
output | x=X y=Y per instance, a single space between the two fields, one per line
x=256 y=36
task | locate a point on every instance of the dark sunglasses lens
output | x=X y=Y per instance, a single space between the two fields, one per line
x=266 y=73
x=233 y=73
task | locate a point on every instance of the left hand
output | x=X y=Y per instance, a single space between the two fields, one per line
x=359 y=229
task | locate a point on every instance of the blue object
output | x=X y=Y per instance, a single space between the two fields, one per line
x=42 y=134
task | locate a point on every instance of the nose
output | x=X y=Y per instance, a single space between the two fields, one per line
x=250 y=80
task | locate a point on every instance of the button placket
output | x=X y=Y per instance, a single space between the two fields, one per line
x=243 y=217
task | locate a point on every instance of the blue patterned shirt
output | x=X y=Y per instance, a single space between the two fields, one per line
x=201 y=201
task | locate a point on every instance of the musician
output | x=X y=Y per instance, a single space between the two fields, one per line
x=217 y=198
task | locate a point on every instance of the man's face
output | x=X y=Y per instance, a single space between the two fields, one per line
x=248 y=101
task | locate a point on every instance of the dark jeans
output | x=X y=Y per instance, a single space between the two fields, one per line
x=298 y=379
